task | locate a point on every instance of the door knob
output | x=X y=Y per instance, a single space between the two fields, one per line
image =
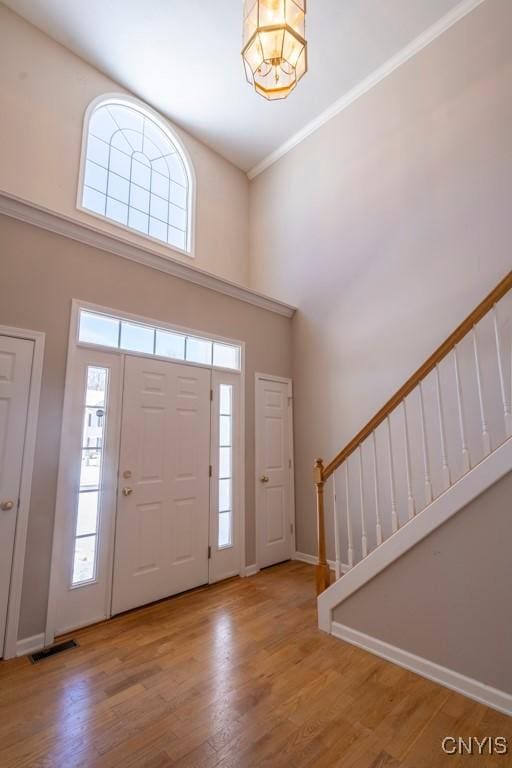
x=264 y=479
x=6 y=506
x=127 y=491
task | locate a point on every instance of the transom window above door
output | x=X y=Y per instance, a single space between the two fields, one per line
x=103 y=330
x=136 y=173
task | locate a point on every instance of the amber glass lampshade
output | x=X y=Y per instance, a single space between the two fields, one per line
x=275 y=48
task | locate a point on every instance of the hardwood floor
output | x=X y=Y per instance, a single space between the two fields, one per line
x=232 y=676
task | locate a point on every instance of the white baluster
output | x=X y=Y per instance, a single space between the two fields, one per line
x=466 y=459
x=442 y=433
x=426 y=462
x=507 y=406
x=364 y=534
x=411 y=506
x=395 y=524
x=350 y=554
x=378 y=524
x=337 y=542
x=486 y=440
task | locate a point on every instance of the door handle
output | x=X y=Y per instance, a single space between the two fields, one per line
x=7 y=505
x=127 y=491
x=264 y=479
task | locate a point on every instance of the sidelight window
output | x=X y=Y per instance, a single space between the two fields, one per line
x=89 y=485
x=225 y=509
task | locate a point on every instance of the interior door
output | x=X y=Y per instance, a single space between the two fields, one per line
x=163 y=494
x=15 y=371
x=273 y=471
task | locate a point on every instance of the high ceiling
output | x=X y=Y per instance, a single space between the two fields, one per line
x=183 y=58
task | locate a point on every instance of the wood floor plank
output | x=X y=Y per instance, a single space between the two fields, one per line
x=232 y=676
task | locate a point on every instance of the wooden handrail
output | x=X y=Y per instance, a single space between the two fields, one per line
x=322 y=472
x=464 y=328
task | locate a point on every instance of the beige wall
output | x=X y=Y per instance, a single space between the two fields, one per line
x=39 y=275
x=448 y=599
x=386 y=227
x=44 y=92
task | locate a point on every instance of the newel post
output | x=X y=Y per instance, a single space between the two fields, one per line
x=323 y=576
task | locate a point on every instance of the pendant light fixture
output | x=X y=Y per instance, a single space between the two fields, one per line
x=275 y=47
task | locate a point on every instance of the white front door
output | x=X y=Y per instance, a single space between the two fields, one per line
x=273 y=472
x=161 y=545
x=15 y=371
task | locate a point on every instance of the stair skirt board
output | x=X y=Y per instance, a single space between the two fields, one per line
x=467 y=686
x=313 y=560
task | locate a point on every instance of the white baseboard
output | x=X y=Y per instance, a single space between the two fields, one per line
x=30 y=644
x=313 y=560
x=304 y=558
x=467 y=686
x=250 y=570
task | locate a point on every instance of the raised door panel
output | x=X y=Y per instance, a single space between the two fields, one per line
x=149 y=537
x=276 y=518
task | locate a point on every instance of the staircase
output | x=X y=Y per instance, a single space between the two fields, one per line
x=440 y=442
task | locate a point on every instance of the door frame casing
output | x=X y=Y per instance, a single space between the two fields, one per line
x=74 y=348
x=27 y=468
x=281 y=380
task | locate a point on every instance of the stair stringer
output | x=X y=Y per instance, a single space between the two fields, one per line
x=464 y=491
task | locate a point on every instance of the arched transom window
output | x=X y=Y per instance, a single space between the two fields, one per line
x=136 y=173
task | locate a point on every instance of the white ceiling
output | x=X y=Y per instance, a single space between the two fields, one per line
x=183 y=58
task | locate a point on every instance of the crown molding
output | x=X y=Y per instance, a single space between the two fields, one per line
x=85 y=233
x=410 y=50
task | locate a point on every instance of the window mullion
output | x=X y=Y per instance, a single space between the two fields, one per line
x=103 y=330
x=109 y=178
